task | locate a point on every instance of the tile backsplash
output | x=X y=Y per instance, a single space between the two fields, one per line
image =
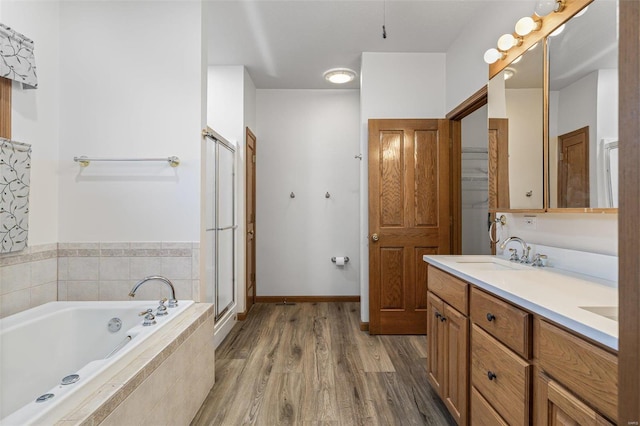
x=28 y=278
x=96 y=271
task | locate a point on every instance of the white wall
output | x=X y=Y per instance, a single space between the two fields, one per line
x=525 y=147
x=307 y=140
x=131 y=86
x=231 y=100
x=393 y=85
x=35 y=117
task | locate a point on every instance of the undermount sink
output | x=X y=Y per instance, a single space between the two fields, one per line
x=488 y=266
x=610 y=312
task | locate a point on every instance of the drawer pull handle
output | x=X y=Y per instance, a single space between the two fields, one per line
x=490 y=317
x=442 y=318
x=491 y=375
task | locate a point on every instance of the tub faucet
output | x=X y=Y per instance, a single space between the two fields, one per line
x=172 y=301
x=525 y=249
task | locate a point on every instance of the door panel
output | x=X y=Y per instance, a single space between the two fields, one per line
x=409 y=213
x=250 y=209
x=435 y=343
x=573 y=167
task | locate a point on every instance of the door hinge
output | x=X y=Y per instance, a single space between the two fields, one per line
x=560 y=156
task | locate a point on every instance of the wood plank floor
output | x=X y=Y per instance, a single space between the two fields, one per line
x=309 y=364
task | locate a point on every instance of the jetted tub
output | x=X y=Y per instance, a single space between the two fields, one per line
x=42 y=347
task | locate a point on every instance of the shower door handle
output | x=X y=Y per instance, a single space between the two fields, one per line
x=375 y=237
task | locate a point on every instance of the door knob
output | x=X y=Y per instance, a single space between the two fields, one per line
x=251 y=232
x=375 y=237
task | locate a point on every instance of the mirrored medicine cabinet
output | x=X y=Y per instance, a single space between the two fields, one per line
x=553 y=116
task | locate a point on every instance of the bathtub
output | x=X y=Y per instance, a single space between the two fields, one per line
x=45 y=346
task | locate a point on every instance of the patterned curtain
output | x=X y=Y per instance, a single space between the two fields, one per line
x=15 y=167
x=16 y=58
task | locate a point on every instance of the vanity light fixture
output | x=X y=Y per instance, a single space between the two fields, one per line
x=524 y=27
x=516 y=60
x=582 y=12
x=339 y=75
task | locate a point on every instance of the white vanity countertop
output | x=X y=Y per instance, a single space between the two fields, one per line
x=547 y=292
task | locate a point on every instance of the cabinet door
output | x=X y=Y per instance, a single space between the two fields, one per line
x=565 y=409
x=435 y=342
x=456 y=336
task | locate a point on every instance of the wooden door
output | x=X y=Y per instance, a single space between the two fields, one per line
x=573 y=169
x=250 y=205
x=456 y=342
x=498 y=163
x=409 y=216
x=435 y=343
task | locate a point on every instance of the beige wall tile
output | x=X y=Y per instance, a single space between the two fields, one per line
x=176 y=268
x=195 y=264
x=83 y=290
x=63 y=268
x=17 y=301
x=84 y=268
x=114 y=268
x=147 y=245
x=44 y=293
x=115 y=290
x=15 y=277
x=141 y=267
x=44 y=271
x=62 y=290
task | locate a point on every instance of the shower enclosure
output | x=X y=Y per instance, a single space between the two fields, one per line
x=220 y=223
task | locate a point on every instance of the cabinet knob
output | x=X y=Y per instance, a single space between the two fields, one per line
x=438 y=314
x=442 y=318
x=490 y=317
x=491 y=375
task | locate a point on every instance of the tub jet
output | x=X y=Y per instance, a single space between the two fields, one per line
x=45 y=397
x=70 y=379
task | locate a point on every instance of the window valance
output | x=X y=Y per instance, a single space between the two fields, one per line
x=16 y=57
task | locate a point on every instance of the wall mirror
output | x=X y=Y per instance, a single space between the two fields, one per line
x=583 y=110
x=516 y=148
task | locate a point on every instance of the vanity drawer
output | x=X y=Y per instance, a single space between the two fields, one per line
x=482 y=413
x=452 y=290
x=510 y=325
x=501 y=377
x=587 y=370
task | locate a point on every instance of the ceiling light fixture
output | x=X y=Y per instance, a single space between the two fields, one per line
x=339 y=75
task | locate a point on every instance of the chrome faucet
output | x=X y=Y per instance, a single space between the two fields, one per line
x=173 y=302
x=525 y=249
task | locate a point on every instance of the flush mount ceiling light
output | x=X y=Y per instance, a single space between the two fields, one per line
x=339 y=75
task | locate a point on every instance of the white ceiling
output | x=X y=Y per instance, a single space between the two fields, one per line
x=289 y=44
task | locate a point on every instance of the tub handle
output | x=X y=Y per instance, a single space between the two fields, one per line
x=162 y=309
x=149 y=318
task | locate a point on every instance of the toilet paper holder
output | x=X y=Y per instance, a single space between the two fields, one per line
x=346 y=259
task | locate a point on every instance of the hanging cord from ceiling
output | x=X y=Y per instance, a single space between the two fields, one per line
x=384 y=18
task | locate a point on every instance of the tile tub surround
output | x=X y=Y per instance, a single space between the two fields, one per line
x=108 y=271
x=28 y=278
x=164 y=382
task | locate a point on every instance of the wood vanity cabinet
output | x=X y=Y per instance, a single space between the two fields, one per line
x=448 y=342
x=494 y=363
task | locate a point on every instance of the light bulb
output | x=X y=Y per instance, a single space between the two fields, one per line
x=527 y=25
x=557 y=31
x=516 y=60
x=545 y=7
x=507 y=41
x=508 y=73
x=492 y=55
x=582 y=12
